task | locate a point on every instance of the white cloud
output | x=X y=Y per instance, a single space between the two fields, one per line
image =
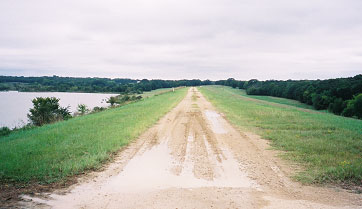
x=182 y=39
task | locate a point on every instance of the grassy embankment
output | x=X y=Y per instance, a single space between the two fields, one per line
x=53 y=152
x=147 y=94
x=278 y=100
x=328 y=146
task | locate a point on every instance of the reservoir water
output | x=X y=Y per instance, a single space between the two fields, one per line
x=14 y=106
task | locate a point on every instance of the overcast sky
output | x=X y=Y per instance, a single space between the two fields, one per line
x=175 y=39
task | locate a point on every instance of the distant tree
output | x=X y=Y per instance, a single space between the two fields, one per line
x=241 y=84
x=349 y=110
x=317 y=101
x=82 y=109
x=358 y=106
x=124 y=99
x=112 y=101
x=4 y=131
x=339 y=95
x=354 y=107
x=337 y=106
x=4 y=87
x=231 y=82
x=47 y=110
x=251 y=83
x=207 y=82
x=253 y=91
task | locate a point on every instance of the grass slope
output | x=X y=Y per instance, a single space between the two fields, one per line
x=53 y=152
x=155 y=92
x=274 y=99
x=328 y=146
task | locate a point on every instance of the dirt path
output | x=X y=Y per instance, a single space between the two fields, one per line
x=193 y=158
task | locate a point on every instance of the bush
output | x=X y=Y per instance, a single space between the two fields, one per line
x=82 y=109
x=348 y=111
x=4 y=87
x=98 y=109
x=354 y=107
x=136 y=98
x=253 y=91
x=317 y=101
x=47 y=110
x=112 y=100
x=358 y=106
x=4 y=131
x=337 y=106
x=125 y=98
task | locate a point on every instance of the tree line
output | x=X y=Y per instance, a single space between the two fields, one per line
x=63 y=84
x=89 y=85
x=341 y=96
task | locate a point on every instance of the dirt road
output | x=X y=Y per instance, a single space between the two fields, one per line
x=193 y=158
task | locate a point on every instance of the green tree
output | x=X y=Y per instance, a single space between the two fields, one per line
x=337 y=106
x=82 y=109
x=47 y=110
x=4 y=87
x=112 y=100
x=4 y=131
x=354 y=107
x=317 y=101
x=358 y=106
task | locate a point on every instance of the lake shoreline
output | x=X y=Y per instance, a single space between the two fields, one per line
x=15 y=105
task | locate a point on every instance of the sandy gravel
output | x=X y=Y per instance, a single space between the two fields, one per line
x=194 y=158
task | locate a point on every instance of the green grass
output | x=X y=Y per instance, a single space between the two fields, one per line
x=56 y=151
x=277 y=100
x=329 y=147
x=282 y=101
x=155 y=92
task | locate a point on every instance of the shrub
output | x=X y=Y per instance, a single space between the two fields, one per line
x=133 y=98
x=82 y=109
x=4 y=131
x=358 y=105
x=98 y=109
x=253 y=91
x=125 y=98
x=47 y=110
x=4 y=87
x=112 y=100
x=337 y=106
x=354 y=107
